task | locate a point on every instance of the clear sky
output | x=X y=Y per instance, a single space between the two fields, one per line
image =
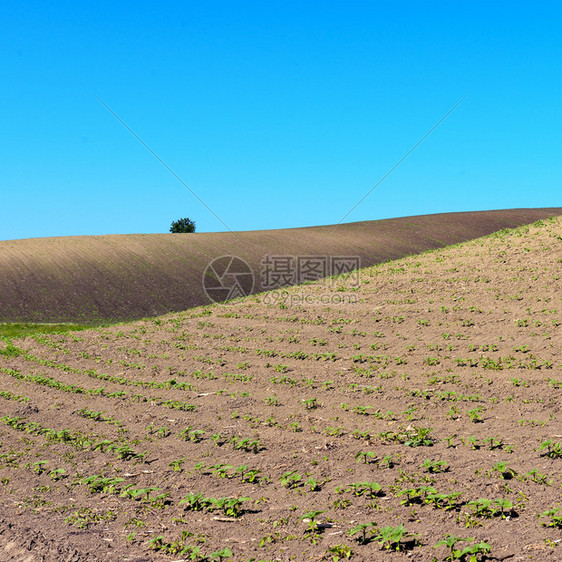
x=275 y=113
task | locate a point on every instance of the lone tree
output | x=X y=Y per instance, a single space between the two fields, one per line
x=182 y=226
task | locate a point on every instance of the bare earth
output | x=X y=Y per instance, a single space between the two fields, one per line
x=428 y=397
x=96 y=279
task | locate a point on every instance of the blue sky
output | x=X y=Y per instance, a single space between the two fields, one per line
x=276 y=114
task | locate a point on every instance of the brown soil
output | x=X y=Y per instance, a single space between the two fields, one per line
x=92 y=279
x=462 y=344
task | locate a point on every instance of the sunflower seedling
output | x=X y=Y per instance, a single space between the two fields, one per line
x=365 y=455
x=395 y=538
x=555 y=515
x=450 y=541
x=365 y=532
x=552 y=450
x=434 y=467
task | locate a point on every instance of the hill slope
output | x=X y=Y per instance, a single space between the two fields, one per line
x=428 y=397
x=103 y=278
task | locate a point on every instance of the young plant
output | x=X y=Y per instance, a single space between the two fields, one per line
x=371 y=489
x=246 y=444
x=311 y=403
x=443 y=501
x=365 y=455
x=314 y=485
x=339 y=552
x=313 y=528
x=504 y=471
x=472 y=551
x=194 y=502
x=365 y=532
x=193 y=435
x=231 y=507
x=220 y=555
x=535 y=476
x=476 y=414
x=434 y=467
x=395 y=538
x=290 y=479
x=419 y=437
x=553 y=450
x=176 y=465
x=555 y=515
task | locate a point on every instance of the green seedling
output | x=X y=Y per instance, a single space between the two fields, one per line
x=535 y=476
x=434 y=467
x=469 y=553
x=57 y=474
x=482 y=508
x=221 y=554
x=471 y=442
x=365 y=455
x=506 y=507
x=311 y=403
x=219 y=439
x=314 y=485
x=313 y=527
x=555 y=515
x=341 y=503
x=487 y=509
x=475 y=552
x=176 y=465
x=160 y=500
x=138 y=493
x=310 y=517
x=334 y=431
x=504 y=471
x=290 y=479
x=194 y=502
x=448 y=441
x=251 y=476
x=419 y=437
x=231 y=507
x=476 y=414
x=494 y=443
x=387 y=462
x=246 y=444
x=443 y=501
x=357 y=434
x=370 y=489
x=193 y=435
x=363 y=410
x=123 y=452
x=97 y=484
x=365 y=532
x=416 y=495
x=394 y=538
x=450 y=541
x=221 y=470
x=552 y=450
x=339 y=552
x=40 y=466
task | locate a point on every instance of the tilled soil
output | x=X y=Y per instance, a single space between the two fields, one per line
x=114 y=278
x=331 y=421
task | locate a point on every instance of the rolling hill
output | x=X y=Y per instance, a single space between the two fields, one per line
x=412 y=415
x=93 y=279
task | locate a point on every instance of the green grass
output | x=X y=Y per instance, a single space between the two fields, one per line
x=22 y=330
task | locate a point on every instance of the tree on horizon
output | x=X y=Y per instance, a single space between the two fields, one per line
x=182 y=226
